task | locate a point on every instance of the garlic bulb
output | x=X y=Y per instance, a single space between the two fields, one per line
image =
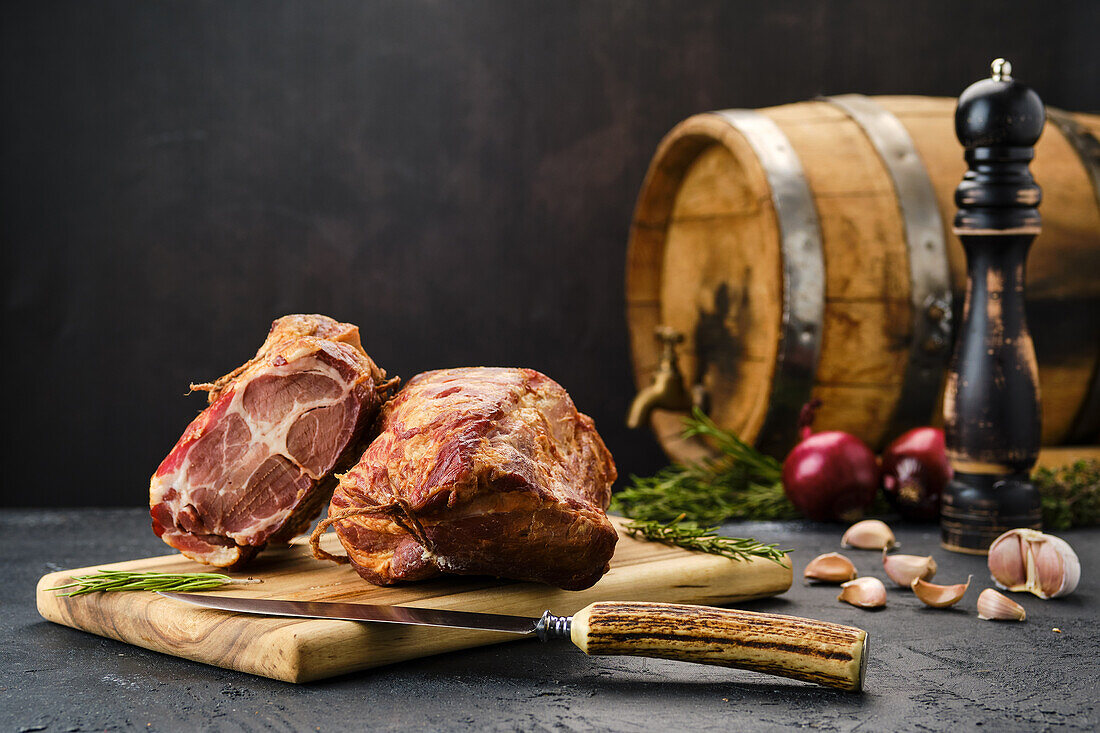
x=994 y=606
x=904 y=569
x=939 y=596
x=1028 y=560
x=831 y=567
x=863 y=592
x=870 y=534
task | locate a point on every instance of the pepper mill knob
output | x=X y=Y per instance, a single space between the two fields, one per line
x=999 y=111
x=991 y=402
x=998 y=121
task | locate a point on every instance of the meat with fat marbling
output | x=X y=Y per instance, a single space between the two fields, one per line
x=256 y=466
x=479 y=471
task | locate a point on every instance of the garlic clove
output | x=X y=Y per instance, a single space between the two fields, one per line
x=870 y=534
x=1072 y=567
x=1028 y=560
x=1007 y=563
x=863 y=592
x=1056 y=566
x=1049 y=568
x=904 y=569
x=831 y=567
x=994 y=606
x=939 y=596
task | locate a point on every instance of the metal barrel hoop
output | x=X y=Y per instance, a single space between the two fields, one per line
x=803 y=275
x=930 y=295
x=1086 y=424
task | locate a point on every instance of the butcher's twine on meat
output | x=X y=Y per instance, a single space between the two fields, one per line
x=398 y=510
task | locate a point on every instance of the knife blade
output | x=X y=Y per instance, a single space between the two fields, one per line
x=804 y=649
x=364 y=612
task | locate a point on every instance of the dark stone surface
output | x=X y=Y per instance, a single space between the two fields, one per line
x=928 y=670
x=456 y=178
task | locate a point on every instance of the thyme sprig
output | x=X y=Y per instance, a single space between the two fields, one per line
x=119 y=580
x=691 y=536
x=1070 y=494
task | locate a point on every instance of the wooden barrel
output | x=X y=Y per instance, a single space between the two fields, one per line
x=806 y=251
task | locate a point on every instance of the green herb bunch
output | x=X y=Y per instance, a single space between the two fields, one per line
x=1070 y=494
x=742 y=483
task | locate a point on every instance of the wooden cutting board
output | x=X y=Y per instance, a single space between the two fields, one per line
x=303 y=650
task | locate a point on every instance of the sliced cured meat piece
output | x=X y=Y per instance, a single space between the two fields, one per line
x=283 y=329
x=257 y=465
x=479 y=471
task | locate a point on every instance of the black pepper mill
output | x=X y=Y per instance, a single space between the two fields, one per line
x=991 y=406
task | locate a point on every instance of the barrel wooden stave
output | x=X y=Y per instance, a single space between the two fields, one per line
x=707 y=193
x=676 y=212
x=865 y=338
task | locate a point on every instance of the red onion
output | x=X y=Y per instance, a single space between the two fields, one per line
x=915 y=472
x=830 y=475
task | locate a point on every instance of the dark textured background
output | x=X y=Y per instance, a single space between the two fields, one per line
x=456 y=178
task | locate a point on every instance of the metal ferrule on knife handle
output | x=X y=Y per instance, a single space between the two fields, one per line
x=802 y=649
x=551 y=627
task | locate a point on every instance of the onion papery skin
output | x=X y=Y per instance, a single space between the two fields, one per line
x=915 y=472
x=831 y=476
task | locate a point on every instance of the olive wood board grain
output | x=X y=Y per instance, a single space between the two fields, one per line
x=302 y=650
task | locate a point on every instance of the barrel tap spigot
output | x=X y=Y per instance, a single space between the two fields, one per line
x=667 y=388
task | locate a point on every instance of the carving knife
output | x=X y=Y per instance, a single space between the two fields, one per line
x=803 y=649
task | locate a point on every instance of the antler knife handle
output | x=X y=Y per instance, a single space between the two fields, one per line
x=802 y=649
x=991 y=402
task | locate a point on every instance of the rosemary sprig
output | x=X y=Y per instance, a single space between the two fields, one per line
x=691 y=536
x=707 y=493
x=737 y=454
x=742 y=483
x=119 y=580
